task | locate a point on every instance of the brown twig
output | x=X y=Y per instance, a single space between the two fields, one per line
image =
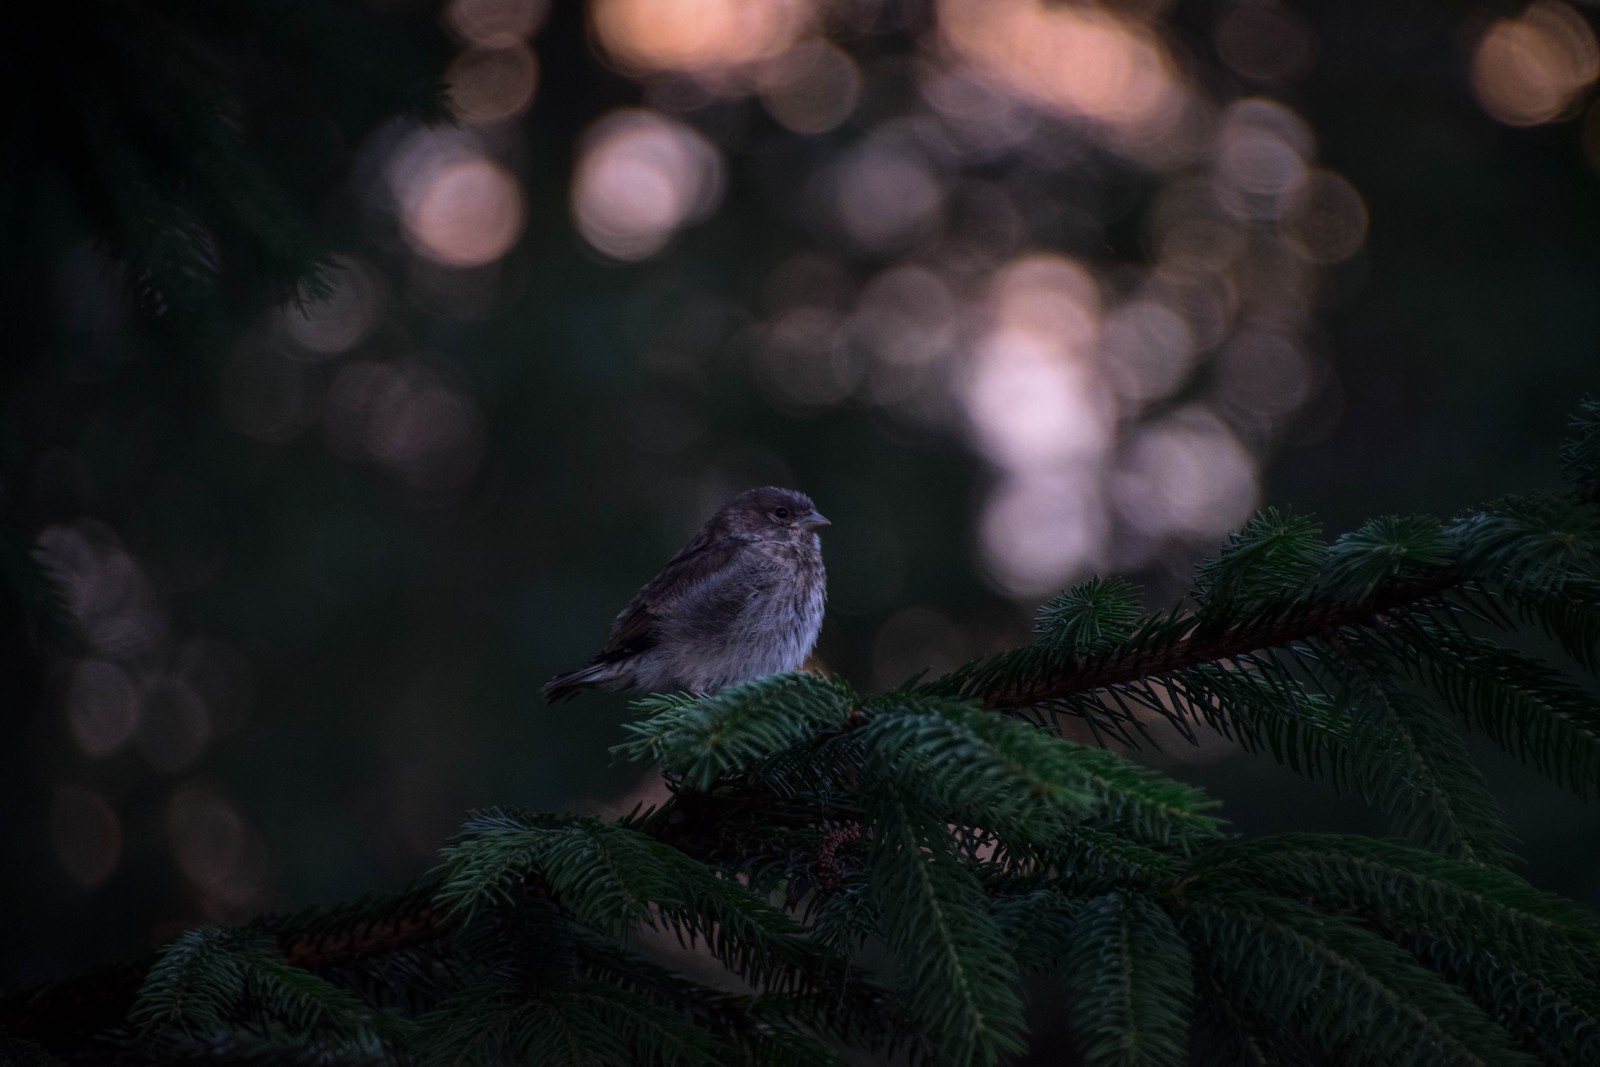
x=65 y=1013
x=1199 y=647
x=367 y=938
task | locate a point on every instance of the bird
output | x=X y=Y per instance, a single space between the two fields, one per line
x=742 y=600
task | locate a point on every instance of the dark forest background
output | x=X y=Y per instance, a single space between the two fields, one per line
x=1018 y=292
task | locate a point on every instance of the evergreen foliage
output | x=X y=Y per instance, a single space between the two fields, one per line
x=1136 y=982
x=164 y=136
x=888 y=873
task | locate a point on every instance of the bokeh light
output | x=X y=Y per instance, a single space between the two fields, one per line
x=914 y=327
x=216 y=849
x=1530 y=69
x=465 y=214
x=341 y=319
x=641 y=178
x=102 y=706
x=404 y=417
x=1041 y=527
x=1148 y=350
x=1040 y=410
x=983 y=119
x=704 y=36
x=108 y=591
x=1077 y=59
x=1262 y=377
x=1034 y=391
x=1260 y=159
x=1328 y=219
x=489 y=85
x=1193 y=238
x=458 y=206
x=885 y=195
x=495 y=23
x=1031 y=402
x=1266 y=41
x=811 y=88
x=803 y=359
x=1185 y=476
x=86 y=834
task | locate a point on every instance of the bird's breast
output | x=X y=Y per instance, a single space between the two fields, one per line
x=773 y=628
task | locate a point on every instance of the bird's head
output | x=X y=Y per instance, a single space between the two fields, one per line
x=773 y=514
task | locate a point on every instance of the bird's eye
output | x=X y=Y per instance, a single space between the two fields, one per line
x=780 y=513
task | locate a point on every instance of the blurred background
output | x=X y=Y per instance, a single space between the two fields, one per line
x=1019 y=291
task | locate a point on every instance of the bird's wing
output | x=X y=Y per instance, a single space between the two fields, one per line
x=703 y=569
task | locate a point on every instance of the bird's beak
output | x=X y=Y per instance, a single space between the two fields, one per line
x=815 y=521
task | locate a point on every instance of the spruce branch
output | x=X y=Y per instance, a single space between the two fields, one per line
x=1177 y=648
x=1403 y=887
x=1130 y=984
x=363 y=929
x=805 y=823
x=1543 y=1014
x=1319 y=974
x=1580 y=456
x=956 y=978
x=1412 y=763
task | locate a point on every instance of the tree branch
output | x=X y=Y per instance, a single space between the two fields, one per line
x=1200 y=645
x=69 y=1011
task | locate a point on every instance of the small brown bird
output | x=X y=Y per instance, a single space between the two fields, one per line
x=742 y=600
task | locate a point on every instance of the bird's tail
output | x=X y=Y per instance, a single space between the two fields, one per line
x=566 y=686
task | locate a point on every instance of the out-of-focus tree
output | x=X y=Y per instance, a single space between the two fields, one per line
x=171 y=173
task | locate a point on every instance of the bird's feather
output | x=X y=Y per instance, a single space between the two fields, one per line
x=704 y=564
x=742 y=599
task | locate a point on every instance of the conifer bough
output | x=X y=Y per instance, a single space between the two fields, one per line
x=893 y=873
